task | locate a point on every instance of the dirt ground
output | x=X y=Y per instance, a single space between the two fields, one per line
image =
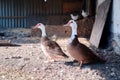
x=27 y=62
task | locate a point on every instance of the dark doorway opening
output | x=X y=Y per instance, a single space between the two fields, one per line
x=106 y=35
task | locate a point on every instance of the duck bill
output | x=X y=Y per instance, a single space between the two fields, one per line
x=34 y=27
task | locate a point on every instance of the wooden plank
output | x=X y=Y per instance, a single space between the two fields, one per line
x=7 y=43
x=99 y=23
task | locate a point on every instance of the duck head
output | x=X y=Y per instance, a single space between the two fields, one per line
x=73 y=25
x=42 y=27
x=84 y=14
x=39 y=25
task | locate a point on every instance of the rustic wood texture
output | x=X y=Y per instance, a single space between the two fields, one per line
x=7 y=43
x=100 y=20
x=72 y=6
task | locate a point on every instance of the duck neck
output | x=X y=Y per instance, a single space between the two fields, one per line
x=43 y=32
x=74 y=32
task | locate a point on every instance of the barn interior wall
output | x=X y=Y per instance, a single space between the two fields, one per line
x=115 y=24
x=15 y=13
x=21 y=14
x=27 y=13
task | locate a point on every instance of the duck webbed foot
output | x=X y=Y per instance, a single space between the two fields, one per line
x=76 y=63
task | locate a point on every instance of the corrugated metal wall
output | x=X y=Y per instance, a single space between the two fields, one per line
x=14 y=13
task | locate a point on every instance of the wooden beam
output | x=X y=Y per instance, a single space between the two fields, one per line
x=100 y=20
x=7 y=43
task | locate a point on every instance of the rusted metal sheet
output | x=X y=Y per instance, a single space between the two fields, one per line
x=14 y=13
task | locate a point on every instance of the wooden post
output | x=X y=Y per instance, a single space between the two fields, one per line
x=101 y=15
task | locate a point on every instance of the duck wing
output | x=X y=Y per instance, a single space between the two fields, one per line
x=82 y=53
x=88 y=54
x=53 y=48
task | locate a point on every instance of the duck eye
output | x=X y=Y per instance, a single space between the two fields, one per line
x=39 y=24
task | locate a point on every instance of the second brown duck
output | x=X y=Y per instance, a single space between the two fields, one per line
x=79 y=51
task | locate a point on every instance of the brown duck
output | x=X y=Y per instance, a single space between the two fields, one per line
x=50 y=48
x=79 y=51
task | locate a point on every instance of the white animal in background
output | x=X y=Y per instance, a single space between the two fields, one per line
x=84 y=14
x=45 y=0
x=74 y=17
